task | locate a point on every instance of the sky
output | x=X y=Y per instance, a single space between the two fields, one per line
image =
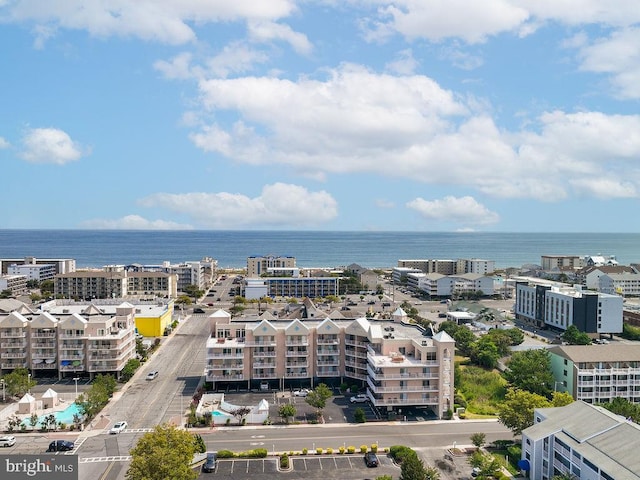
x=365 y=115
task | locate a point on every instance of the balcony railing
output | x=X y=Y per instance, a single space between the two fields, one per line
x=43 y=355
x=13 y=334
x=18 y=344
x=226 y=355
x=261 y=343
x=297 y=364
x=297 y=353
x=13 y=365
x=321 y=372
x=379 y=375
x=264 y=364
x=264 y=354
x=328 y=341
x=265 y=375
x=43 y=334
x=238 y=366
x=293 y=343
x=297 y=375
x=356 y=343
x=405 y=401
x=22 y=354
x=334 y=361
x=328 y=351
x=224 y=377
x=44 y=366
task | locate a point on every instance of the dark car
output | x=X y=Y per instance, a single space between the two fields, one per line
x=198 y=310
x=210 y=463
x=371 y=459
x=60 y=446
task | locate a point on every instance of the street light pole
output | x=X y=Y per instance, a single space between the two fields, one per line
x=76 y=380
x=29 y=383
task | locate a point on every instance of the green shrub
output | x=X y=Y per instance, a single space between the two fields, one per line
x=341 y=450
x=363 y=449
x=319 y=451
x=359 y=415
x=514 y=451
x=291 y=453
x=284 y=461
x=330 y=451
x=226 y=454
x=400 y=452
x=305 y=451
x=351 y=449
x=258 y=453
x=374 y=447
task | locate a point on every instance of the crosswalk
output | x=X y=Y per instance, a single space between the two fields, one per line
x=115 y=458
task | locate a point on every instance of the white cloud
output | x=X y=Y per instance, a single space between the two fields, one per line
x=619 y=56
x=409 y=127
x=278 y=205
x=383 y=203
x=4 y=143
x=166 y=21
x=266 y=31
x=404 y=64
x=134 y=222
x=50 y=145
x=605 y=188
x=464 y=210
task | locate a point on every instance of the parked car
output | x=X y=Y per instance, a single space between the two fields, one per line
x=118 y=427
x=210 y=463
x=198 y=310
x=386 y=304
x=7 y=441
x=371 y=459
x=360 y=398
x=152 y=375
x=60 y=446
x=303 y=392
x=442 y=315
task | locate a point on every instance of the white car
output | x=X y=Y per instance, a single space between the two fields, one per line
x=152 y=375
x=7 y=441
x=360 y=398
x=118 y=427
x=303 y=392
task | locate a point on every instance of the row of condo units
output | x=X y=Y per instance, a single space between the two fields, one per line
x=91 y=341
x=111 y=281
x=450 y=267
x=549 y=304
x=400 y=363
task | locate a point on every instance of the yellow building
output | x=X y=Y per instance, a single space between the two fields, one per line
x=152 y=320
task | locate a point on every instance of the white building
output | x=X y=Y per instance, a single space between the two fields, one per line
x=438 y=285
x=16 y=283
x=582 y=440
x=625 y=284
x=37 y=271
x=558 y=305
x=258 y=265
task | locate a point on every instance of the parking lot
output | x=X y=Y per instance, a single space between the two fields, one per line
x=311 y=466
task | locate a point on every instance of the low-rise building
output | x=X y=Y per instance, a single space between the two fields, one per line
x=17 y=284
x=399 y=363
x=597 y=373
x=37 y=272
x=581 y=441
x=625 y=284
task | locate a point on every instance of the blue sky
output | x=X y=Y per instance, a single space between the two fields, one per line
x=425 y=115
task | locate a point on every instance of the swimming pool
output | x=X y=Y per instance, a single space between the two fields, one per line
x=64 y=416
x=216 y=413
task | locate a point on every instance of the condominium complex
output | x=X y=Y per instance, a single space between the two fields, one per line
x=437 y=285
x=401 y=364
x=100 y=284
x=61 y=265
x=556 y=305
x=597 y=373
x=261 y=265
x=625 y=284
x=92 y=341
x=296 y=287
x=38 y=272
x=17 y=284
x=451 y=267
x=198 y=273
x=581 y=441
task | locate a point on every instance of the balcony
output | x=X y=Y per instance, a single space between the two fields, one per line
x=325 y=372
x=356 y=343
x=44 y=366
x=328 y=351
x=43 y=355
x=13 y=334
x=382 y=402
x=235 y=366
x=226 y=355
x=43 y=335
x=401 y=389
x=210 y=376
x=264 y=354
x=294 y=343
x=22 y=354
x=265 y=375
x=72 y=335
x=264 y=364
x=297 y=364
x=72 y=368
x=359 y=376
x=297 y=353
x=331 y=361
x=13 y=365
x=328 y=341
x=297 y=375
x=71 y=356
x=14 y=344
x=261 y=343
x=380 y=374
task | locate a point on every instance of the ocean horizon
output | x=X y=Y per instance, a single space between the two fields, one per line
x=371 y=249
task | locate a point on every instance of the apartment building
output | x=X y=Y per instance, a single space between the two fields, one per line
x=92 y=341
x=556 y=305
x=294 y=287
x=37 y=272
x=625 y=284
x=259 y=265
x=197 y=273
x=561 y=262
x=451 y=267
x=399 y=363
x=114 y=283
x=16 y=283
x=61 y=265
x=581 y=441
x=589 y=277
x=597 y=373
x=438 y=285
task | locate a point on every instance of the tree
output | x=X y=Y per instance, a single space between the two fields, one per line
x=485 y=353
x=183 y=300
x=130 y=368
x=574 y=336
x=240 y=413
x=167 y=452
x=412 y=468
x=318 y=397
x=561 y=399
x=193 y=291
x=46 y=287
x=6 y=293
x=478 y=439
x=431 y=473
x=516 y=411
x=359 y=415
x=97 y=396
x=465 y=339
x=531 y=370
x=33 y=283
x=18 y=382
x=33 y=420
x=624 y=407
x=199 y=445
x=287 y=411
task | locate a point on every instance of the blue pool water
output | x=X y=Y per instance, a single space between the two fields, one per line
x=216 y=413
x=64 y=416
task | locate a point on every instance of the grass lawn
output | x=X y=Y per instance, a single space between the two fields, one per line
x=482 y=389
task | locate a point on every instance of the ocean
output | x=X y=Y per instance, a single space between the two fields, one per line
x=95 y=248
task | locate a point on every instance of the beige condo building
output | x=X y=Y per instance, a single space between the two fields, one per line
x=400 y=364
